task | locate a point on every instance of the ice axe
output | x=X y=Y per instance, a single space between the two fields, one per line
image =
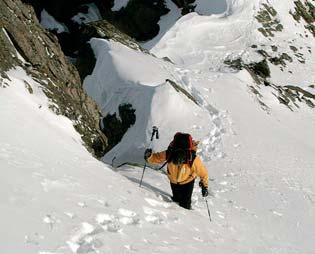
x=155 y=133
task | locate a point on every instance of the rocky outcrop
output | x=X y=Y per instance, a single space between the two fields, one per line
x=99 y=29
x=105 y=30
x=139 y=19
x=267 y=17
x=114 y=127
x=63 y=12
x=288 y=95
x=38 y=47
x=25 y=43
x=186 y=5
x=258 y=70
x=305 y=10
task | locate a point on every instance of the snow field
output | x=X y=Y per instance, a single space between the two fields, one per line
x=57 y=199
x=47 y=206
x=160 y=104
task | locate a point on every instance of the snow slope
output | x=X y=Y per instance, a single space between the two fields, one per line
x=144 y=86
x=57 y=199
x=167 y=21
x=204 y=42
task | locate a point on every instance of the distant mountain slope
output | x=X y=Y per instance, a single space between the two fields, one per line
x=250 y=32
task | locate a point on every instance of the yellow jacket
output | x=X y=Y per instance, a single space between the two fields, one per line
x=181 y=174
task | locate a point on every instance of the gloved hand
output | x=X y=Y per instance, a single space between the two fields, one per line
x=147 y=153
x=204 y=190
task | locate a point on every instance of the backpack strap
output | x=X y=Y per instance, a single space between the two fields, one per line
x=193 y=157
x=162 y=165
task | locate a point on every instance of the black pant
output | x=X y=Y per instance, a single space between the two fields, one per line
x=182 y=193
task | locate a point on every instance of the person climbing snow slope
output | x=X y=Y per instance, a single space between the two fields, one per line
x=183 y=167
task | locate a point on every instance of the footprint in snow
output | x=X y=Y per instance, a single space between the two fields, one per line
x=84 y=241
x=108 y=222
x=82 y=204
x=33 y=239
x=70 y=215
x=103 y=203
x=126 y=212
x=198 y=238
x=129 y=217
x=114 y=227
x=50 y=221
x=154 y=216
x=154 y=219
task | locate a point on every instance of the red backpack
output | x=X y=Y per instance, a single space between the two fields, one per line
x=181 y=150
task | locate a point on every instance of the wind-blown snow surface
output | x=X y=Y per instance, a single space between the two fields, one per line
x=165 y=23
x=203 y=7
x=140 y=80
x=57 y=199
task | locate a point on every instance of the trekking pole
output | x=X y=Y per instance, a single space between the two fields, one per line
x=155 y=133
x=208 y=209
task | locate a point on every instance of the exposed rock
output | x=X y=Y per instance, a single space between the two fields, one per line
x=62 y=10
x=35 y=45
x=115 y=127
x=258 y=70
x=104 y=29
x=22 y=36
x=86 y=61
x=186 y=5
x=281 y=60
x=293 y=48
x=289 y=95
x=305 y=10
x=100 y=29
x=267 y=16
x=236 y=64
x=182 y=90
x=139 y=19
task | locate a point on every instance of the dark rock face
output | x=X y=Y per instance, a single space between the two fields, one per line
x=305 y=10
x=46 y=63
x=139 y=18
x=186 y=5
x=267 y=16
x=105 y=30
x=99 y=29
x=114 y=128
x=60 y=9
x=259 y=71
x=38 y=47
x=86 y=61
x=63 y=11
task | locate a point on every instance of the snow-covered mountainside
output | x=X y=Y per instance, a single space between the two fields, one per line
x=240 y=80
